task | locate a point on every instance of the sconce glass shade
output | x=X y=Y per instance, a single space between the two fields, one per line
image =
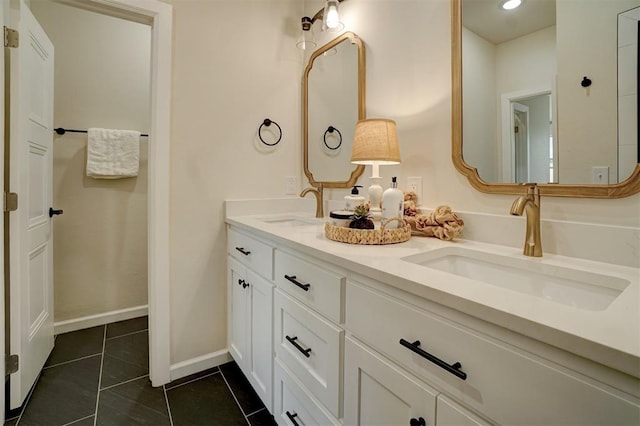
x=306 y=41
x=331 y=16
x=375 y=142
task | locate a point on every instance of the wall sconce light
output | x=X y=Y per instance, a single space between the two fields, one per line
x=330 y=16
x=375 y=143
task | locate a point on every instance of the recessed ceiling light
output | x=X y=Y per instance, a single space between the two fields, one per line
x=510 y=4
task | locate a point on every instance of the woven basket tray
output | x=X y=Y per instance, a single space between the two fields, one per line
x=369 y=236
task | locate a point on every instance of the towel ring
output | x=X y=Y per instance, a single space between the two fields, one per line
x=267 y=123
x=332 y=129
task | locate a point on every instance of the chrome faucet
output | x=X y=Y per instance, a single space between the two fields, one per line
x=318 y=192
x=530 y=205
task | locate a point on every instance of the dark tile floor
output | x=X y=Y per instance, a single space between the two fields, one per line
x=100 y=376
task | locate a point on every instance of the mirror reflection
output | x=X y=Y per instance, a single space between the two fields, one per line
x=333 y=103
x=550 y=90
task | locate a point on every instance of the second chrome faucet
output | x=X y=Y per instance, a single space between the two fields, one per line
x=529 y=204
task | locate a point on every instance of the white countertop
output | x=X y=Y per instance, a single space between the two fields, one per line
x=610 y=336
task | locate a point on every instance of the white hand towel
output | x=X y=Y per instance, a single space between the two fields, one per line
x=112 y=154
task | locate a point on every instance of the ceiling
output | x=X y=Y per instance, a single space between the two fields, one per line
x=489 y=21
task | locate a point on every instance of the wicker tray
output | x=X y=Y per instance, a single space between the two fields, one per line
x=369 y=236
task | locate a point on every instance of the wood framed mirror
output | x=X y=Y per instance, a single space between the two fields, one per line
x=466 y=140
x=333 y=100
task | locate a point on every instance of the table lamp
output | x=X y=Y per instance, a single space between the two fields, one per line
x=375 y=143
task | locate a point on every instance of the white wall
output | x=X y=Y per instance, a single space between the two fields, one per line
x=588 y=131
x=102 y=67
x=481 y=119
x=235 y=64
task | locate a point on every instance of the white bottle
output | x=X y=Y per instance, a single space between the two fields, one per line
x=392 y=204
x=353 y=200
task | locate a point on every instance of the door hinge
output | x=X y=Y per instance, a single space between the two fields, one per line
x=10 y=201
x=12 y=364
x=11 y=37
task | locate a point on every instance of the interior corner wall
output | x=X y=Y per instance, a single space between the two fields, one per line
x=102 y=72
x=481 y=120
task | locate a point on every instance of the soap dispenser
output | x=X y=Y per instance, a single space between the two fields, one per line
x=353 y=200
x=392 y=204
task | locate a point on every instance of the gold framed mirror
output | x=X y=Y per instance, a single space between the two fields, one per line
x=333 y=100
x=628 y=185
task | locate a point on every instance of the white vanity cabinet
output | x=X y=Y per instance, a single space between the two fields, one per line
x=250 y=310
x=308 y=339
x=324 y=344
x=483 y=372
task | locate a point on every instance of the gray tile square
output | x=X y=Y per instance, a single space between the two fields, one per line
x=64 y=393
x=207 y=401
x=241 y=388
x=76 y=344
x=129 y=326
x=133 y=403
x=125 y=358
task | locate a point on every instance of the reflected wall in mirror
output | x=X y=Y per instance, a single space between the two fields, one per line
x=528 y=116
x=333 y=101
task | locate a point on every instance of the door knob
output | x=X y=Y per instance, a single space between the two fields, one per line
x=53 y=212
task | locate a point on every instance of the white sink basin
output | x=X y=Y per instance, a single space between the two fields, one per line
x=569 y=286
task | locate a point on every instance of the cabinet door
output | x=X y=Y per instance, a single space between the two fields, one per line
x=376 y=392
x=261 y=364
x=239 y=333
x=451 y=414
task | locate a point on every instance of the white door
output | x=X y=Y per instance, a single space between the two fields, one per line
x=30 y=168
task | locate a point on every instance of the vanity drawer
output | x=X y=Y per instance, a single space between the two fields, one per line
x=311 y=347
x=251 y=252
x=505 y=383
x=293 y=401
x=312 y=284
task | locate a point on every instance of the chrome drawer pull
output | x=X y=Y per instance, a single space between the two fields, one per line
x=453 y=369
x=243 y=251
x=292 y=418
x=304 y=351
x=293 y=279
x=420 y=421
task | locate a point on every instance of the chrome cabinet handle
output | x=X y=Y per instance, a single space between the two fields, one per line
x=304 y=351
x=453 y=369
x=243 y=251
x=293 y=279
x=292 y=418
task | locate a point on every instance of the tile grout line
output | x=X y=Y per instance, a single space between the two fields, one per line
x=76 y=421
x=126 y=334
x=246 y=419
x=256 y=412
x=104 y=340
x=28 y=398
x=193 y=380
x=166 y=399
x=125 y=382
x=73 y=360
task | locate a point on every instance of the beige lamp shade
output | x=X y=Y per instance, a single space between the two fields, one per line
x=375 y=142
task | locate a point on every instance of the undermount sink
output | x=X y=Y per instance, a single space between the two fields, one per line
x=290 y=221
x=566 y=285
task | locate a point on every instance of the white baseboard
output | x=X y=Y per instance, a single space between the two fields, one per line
x=201 y=363
x=99 y=319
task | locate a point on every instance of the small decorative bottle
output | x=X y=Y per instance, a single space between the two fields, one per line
x=392 y=204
